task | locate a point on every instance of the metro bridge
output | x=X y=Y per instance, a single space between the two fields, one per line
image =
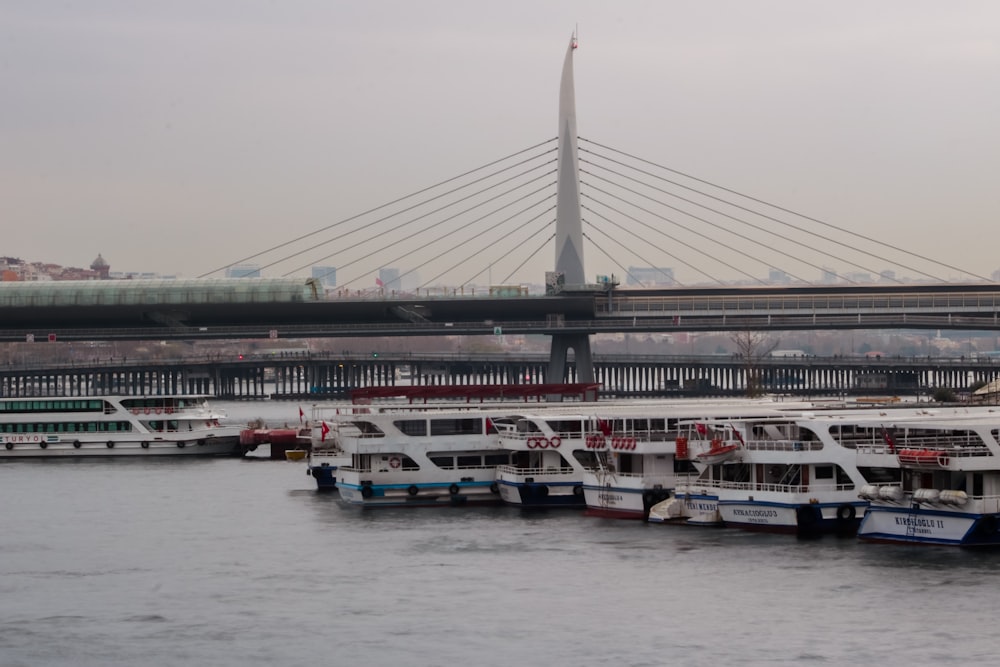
x=292 y=308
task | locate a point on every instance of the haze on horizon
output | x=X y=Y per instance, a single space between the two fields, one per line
x=178 y=138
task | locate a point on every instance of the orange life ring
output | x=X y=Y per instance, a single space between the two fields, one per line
x=159 y=410
x=555 y=442
x=532 y=443
x=394 y=462
x=169 y=411
x=543 y=443
x=147 y=411
x=135 y=411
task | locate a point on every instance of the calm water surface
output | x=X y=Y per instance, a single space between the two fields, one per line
x=241 y=562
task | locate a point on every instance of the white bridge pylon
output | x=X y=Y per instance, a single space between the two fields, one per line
x=569 y=228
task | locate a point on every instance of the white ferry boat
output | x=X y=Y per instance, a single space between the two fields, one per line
x=638 y=463
x=782 y=474
x=411 y=455
x=939 y=481
x=168 y=425
x=551 y=453
x=341 y=438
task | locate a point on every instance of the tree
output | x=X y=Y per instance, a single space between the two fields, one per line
x=753 y=346
x=944 y=395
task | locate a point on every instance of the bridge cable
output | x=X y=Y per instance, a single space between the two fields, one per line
x=742 y=221
x=700 y=251
x=689 y=229
x=396 y=201
x=475 y=254
x=791 y=212
x=529 y=257
x=614 y=261
x=720 y=227
x=381 y=232
x=517 y=244
x=462 y=243
x=448 y=219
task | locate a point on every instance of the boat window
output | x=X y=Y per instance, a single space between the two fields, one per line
x=824 y=472
x=572 y=428
x=497 y=459
x=367 y=428
x=880 y=475
x=412 y=427
x=683 y=466
x=527 y=426
x=470 y=461
x=447 y=462
x=457 y=426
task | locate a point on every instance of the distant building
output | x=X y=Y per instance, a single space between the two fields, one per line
x=326 y=275
x=859 y=277
x=243 y=271
x=100 y=267
x=650 y=276
x=777 y=277
x=829 y=277
x=887 y=276
x=388 y=279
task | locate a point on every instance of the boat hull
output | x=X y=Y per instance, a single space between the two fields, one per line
x=542 y=495
x=691 y=510
x=904 y=525
x=805 y=520
x=456 y=494
x=616 y=502
x=325 y=476
x=216 y=445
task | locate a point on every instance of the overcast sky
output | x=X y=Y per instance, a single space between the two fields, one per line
x=180 y=136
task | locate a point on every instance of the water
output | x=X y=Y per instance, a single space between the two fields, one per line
x=241 y=562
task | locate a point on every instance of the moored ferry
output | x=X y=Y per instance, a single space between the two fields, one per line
x=167 y=425
x=412 y=456
x=642 y=456
x=939 y=481
x=357 y=438
x=788 y=474
x=551 y=453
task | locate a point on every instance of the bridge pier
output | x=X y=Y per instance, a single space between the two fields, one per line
x=559 y=352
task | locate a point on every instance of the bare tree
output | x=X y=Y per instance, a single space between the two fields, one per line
x=752 y=346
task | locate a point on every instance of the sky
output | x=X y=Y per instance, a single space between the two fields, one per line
x=179 y=137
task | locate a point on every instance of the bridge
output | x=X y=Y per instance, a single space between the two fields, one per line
x=136 y=312
x=572 y=309
x=318 y=376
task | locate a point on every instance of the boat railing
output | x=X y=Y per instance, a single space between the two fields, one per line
x=954 y=448
x=672 y=479
x=763 y=486
x=549 y=470
x=784 y=445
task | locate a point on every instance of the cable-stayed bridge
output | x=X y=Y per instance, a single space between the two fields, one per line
x=466 y=251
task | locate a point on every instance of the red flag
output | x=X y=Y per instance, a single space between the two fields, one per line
x=379 y=283
x=889 y=442
x=301 y=414
x=738 y=436
x=490 y=428
x=604 y=426
x=323 y=430
x=701 y=428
